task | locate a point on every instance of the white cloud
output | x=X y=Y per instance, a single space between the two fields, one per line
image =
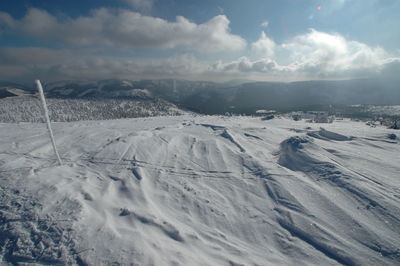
x=128 y=29
x=264 y=47
x=244 y=64
x=316 y=55
x=391 y=67
x=331 y=54
x=264 y=24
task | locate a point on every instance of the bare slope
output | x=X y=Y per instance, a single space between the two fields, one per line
x=202 y=191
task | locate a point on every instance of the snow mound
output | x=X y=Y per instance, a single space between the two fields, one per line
x=228 y=136
x=328 y=135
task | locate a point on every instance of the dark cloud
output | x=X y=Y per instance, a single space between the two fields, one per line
x=27 y=64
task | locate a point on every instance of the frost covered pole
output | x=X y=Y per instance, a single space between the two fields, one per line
x=46 y=114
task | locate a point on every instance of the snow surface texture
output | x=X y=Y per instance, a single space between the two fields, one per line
x=196 y=190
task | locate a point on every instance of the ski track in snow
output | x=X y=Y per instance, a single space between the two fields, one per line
x=200 y=190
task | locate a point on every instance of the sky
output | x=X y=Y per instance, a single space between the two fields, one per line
x=216 y=40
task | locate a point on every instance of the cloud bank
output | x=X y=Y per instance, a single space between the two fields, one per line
x=29 y=63
x=315 y=55
x=85 y=47
x=123 y=28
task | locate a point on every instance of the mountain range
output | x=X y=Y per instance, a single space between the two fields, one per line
x=218 y=98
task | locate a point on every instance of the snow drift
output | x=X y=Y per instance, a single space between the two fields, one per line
x=194 y=190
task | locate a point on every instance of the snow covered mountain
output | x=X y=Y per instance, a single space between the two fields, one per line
x=8 y=89
x=236 y=97
x=200 y=190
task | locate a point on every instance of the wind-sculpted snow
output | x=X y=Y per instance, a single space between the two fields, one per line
x=328 y=135
x=195 y=190
x=362 y=189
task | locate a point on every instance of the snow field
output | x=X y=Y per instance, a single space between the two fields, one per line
x=205 y=190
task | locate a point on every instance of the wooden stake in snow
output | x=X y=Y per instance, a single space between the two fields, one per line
x=46 y=114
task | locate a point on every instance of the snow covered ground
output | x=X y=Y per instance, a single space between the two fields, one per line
x=200 y=190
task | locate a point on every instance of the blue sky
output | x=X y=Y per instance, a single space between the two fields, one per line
x=209 y=40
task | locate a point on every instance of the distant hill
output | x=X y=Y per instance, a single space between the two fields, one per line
x=261 y=95
x=235 y=97
x=8 y=89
